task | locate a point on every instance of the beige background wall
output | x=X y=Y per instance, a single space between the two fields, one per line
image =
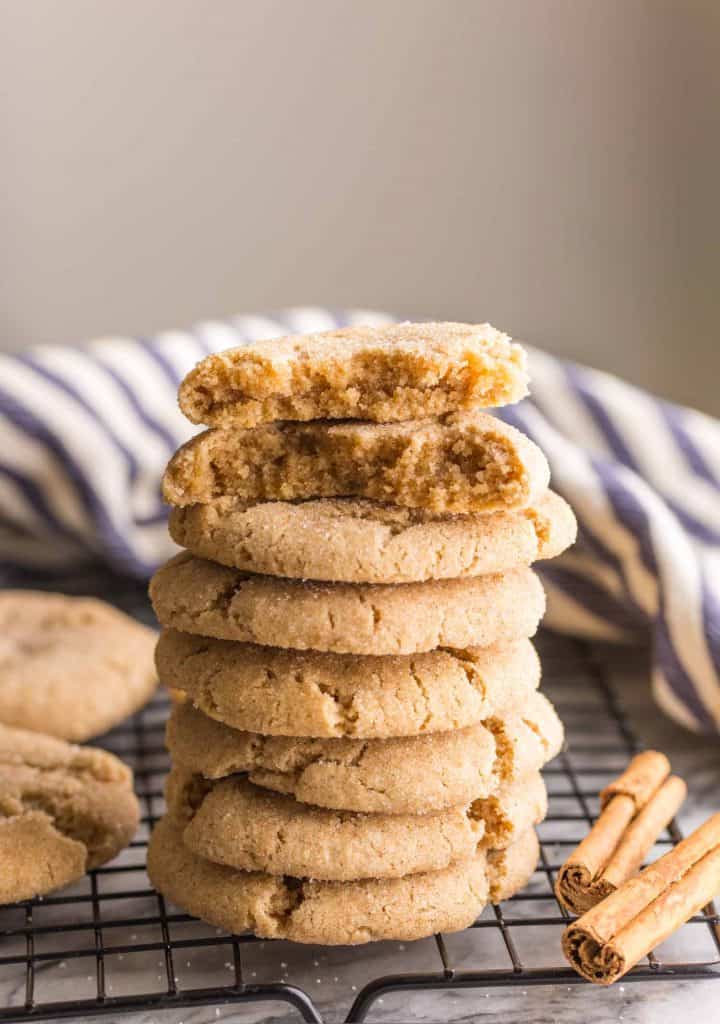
x=549 y=165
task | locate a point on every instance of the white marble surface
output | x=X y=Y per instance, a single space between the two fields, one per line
x=329 y=975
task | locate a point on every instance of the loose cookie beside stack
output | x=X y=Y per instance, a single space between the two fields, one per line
x=359 y=753
x=63 y=810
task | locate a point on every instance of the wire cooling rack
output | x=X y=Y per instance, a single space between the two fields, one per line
x=110 y=944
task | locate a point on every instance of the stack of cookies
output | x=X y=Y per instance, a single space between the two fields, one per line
x=358 y=753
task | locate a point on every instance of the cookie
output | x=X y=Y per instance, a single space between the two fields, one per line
x=468 y=462
x=407 y=775
x=335 y=913
x=63 y=809
x=280 y=692
x=393 y=372
x=412 y=775
x=197 y=596
x=232 y=822
x=356 y=541
x=72 y=667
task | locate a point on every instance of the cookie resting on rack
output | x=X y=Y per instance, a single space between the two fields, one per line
x=336 y=913
x=63 y=809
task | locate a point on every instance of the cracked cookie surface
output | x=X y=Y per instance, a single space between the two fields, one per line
x=196 y=596
x=63 y=809
x=72 y=667
x=230 y=821
x=412 y=775
x=468 y=462
x=356 y=541
x=281 y=692
x=336 y=913
x=391 y=372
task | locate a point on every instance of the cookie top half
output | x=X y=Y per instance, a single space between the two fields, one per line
x=393 y=372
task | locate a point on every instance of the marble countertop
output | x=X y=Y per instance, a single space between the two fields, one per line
x=330 y=975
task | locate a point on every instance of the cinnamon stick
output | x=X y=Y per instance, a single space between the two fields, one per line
x=636 y=807
x=639 y=780
x=610 y=939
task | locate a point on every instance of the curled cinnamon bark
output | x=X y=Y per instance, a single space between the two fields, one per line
x=635 y=808
x=608 y=940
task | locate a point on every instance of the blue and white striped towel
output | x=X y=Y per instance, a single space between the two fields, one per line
x=85 y=434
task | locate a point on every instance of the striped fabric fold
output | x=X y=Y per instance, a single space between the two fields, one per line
x=85 y=434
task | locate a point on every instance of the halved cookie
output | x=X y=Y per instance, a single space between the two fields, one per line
x=336 y=913
x=391 y=372
x=468 y=462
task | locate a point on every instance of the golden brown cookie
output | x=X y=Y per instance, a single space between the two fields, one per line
x=356 y=541
x=230 y=821
x=63 y=809
x=73 y=667
x=235 y=823
x=280 y=692
x=468 y=462
x=412 y=775
x=407 y=775
x=335 y=913
x=393 y=372
x=197 y=596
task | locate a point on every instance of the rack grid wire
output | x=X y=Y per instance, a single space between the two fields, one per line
x=110 y=944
